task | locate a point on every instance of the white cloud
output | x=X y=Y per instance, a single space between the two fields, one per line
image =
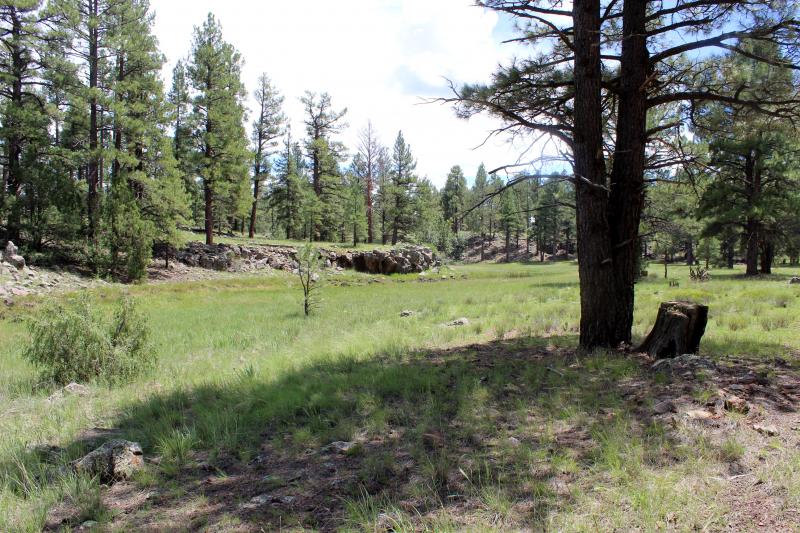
x=378 y=58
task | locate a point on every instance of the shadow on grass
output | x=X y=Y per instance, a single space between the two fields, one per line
x=499 y=433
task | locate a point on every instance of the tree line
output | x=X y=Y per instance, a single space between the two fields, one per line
x=100 y=160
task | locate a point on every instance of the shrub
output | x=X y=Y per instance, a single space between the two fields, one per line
x=76 y=342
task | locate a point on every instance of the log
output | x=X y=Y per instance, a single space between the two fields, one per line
x=678 y=329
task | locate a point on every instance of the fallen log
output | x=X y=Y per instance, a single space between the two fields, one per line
x=678 y=329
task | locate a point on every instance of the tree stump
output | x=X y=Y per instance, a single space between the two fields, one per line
x=678 y=329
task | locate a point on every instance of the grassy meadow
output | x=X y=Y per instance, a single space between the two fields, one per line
x=495 y=425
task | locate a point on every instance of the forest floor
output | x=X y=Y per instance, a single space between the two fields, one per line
x=360 y=419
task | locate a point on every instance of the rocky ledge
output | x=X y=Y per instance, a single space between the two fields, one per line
x=240 y=258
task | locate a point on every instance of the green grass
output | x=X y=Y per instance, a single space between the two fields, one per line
x=239 y=365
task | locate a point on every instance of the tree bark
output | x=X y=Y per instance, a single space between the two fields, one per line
x=93 y=175
x=596 y=270
x=627 y=173
x=767 y=256
x=678 y=329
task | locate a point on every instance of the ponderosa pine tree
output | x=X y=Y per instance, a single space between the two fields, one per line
x=355 y=209
x=597 y=69
x=753 y=157
x=222 y=157
x=477 y=219
x=267 y=128
x=366 y=165
x=85 y=31
x=23 y=121
x=454 y=197
x=402 y=189
x=180 y=98
x=324 y=155
x=287 y=192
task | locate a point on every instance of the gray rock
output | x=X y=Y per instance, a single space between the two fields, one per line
x=459 y=322
x=115 y=460
x=664 y=407
x=406 y=313
x=339 y=446
x=768 y=430
x=73 y=389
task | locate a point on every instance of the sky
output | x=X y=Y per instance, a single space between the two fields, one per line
x=381 y=59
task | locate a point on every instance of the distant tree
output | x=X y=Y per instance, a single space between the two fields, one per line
x=509 y=217
x=267 y=128
x=324 y=154
x=753 y=157
x=382 y=205
x=367 y=165
x=180 y=99
x=403 y=184
x=454 y=197
x=355 y=210
x=477 y=220
x=215 y=73
x=429 y=226
x=287 y=195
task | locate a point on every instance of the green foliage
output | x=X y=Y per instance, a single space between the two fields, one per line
x=401 y=190
x=221 y=154
x=76 y=341
x=309 y=270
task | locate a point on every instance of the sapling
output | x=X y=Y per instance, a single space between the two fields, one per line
x=309 y=269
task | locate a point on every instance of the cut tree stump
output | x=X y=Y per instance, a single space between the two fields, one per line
x=678 y=329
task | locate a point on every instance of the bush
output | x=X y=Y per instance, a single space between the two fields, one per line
x=76 y=342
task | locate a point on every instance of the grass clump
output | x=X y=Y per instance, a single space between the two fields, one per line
x=75 y=341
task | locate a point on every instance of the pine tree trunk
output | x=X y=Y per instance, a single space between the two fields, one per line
x=596 y=271
x=767 y=256
x=92 y=200
x=751 y=247
x=14 y=167
x=678 y=329
x=626 y=197
x=208 y=197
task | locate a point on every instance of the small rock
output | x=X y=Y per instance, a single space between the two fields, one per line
x=664 y=407
x=770 y=431
x=406 y=313
x=734 y=403
x=257 y=501
x=459 y=322
x=73 y=389
x=88 y=525
x=113 y=461
x=514 y=441
x=699 y=414
x=339 y=446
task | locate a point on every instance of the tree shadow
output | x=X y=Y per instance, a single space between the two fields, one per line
x=500 y=431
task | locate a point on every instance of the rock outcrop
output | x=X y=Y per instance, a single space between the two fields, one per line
x=239 y=258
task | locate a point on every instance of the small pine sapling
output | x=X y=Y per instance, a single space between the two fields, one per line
x=309 y=269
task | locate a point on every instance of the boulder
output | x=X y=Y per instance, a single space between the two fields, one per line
x=115 y=460
x=12 y=257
